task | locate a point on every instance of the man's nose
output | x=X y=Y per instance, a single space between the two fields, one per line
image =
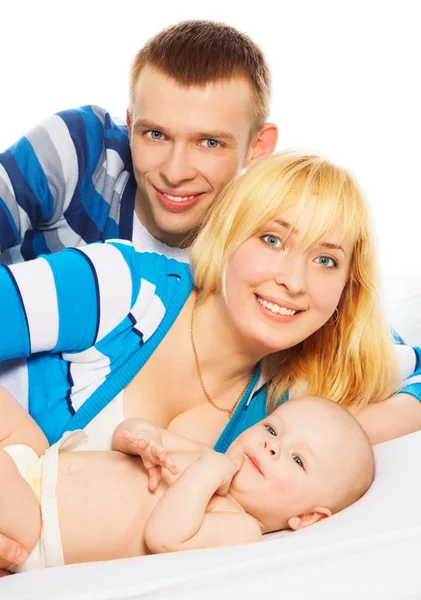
x=292 y=272
x=178 y=166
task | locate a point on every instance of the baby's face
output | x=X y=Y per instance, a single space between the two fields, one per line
x=295 y=460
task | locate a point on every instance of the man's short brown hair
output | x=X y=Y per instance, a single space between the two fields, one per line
x=195 y=53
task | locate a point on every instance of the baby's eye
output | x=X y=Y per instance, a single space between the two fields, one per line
x=272 y=241
x=326 y=261
x=154 y=134
x=298 y=460
x=271 y=430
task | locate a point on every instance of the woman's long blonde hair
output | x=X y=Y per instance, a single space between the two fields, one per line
x=350 y=359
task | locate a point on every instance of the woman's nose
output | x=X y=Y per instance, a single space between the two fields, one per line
x=292 y=273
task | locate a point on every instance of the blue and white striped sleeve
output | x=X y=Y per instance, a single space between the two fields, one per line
x=68 y=301
x=38 y=178
x=48 y=176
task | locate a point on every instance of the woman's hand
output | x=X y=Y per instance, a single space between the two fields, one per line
x=153 y=454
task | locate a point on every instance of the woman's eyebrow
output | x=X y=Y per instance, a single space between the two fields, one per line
x=286 y=225
x=332 y=246
x=329 y=245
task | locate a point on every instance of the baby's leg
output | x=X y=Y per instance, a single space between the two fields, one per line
x=20 y=515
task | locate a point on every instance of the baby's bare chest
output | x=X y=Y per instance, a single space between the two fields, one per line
x=103 y=504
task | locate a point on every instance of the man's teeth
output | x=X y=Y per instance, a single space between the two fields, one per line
x=178 y=198
x=275 y=308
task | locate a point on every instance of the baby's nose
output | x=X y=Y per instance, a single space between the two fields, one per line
x=269 y=448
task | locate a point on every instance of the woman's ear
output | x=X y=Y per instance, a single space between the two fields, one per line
x=309 y=518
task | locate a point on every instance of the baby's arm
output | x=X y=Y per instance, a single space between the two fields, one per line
x=142 y=438
x=20 y=520
x=17 y=426
x=20 y=515
x=142 y=428
x=180 y=520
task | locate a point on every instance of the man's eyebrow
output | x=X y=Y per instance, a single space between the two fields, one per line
x=147 y=124
x=329 y=245
x=219 y=134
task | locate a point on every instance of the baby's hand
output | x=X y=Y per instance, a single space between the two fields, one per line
x=153 y=455
x=226 y=466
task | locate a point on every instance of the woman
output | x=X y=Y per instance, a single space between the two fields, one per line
x=284 y=292
x=284 y=301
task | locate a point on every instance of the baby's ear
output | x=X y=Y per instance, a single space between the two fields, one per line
x=309 y=518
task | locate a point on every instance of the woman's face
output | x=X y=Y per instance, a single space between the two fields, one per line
x=278 y=294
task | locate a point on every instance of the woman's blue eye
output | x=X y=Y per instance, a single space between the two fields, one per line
x=298 y=461
x=326 y=261
x=271 y=430
x=272 y=240
x=155 y=134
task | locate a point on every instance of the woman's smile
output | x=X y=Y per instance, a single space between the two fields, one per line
x=280 y=312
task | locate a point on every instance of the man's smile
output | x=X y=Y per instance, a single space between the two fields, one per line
x=178 y=202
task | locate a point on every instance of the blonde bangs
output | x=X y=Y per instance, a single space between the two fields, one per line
x=268 y=188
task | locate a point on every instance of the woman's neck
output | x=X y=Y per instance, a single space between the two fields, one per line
x=219 y=344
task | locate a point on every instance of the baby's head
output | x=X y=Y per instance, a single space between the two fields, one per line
x=306 y=461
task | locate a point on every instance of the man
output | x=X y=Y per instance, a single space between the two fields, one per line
x=199 y=100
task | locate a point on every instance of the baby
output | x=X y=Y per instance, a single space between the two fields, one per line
x=158 y=492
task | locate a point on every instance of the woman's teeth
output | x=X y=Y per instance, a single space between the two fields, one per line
x=275 y=308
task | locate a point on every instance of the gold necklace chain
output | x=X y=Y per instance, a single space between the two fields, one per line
x=231 y=410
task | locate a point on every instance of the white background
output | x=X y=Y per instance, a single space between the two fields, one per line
x=346 y=78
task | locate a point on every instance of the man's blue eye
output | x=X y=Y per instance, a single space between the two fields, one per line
x=298 y=461
x=212 y=143
x=272 y=240
x=326 y=261
x=271 y=430
x=155 y=135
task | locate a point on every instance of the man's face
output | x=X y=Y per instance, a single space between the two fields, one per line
x=187 y=143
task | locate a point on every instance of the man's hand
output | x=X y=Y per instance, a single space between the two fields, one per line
x=10 y=553
x=153 y=454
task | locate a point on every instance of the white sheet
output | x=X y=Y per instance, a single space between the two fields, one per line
x=370 y=550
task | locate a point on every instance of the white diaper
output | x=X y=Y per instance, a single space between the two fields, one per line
x=41 y=474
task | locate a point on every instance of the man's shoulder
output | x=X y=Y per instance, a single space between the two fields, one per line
x=92 y=132
x=93 y=118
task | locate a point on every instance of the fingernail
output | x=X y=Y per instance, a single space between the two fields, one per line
x=21 y=555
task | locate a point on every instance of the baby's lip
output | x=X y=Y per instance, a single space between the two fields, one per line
x=255 y=463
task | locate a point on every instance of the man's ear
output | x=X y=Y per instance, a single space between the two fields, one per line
x=309 y=518
x=129 y=123
x=264 y=142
